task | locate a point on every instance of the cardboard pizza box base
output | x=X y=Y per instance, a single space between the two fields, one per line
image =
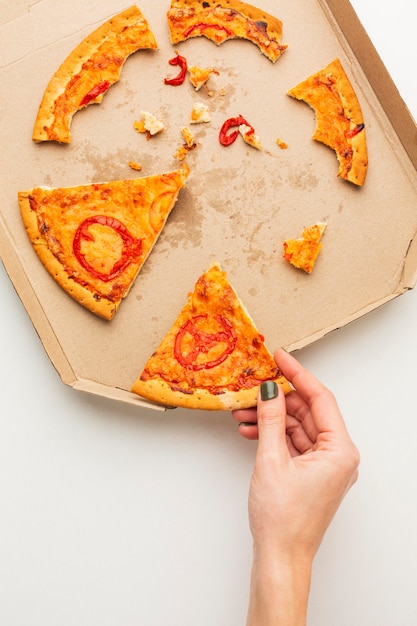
x=239 y=204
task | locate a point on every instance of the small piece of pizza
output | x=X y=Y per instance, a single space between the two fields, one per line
x=149 y=124
x=213 y=357
x=339 y=120
x=94 y=239
x=199 y=75
x=250 y=137
x=200 y=113
x=188 y=145
x=220 y=20
x=89 y=70
x=303 y=252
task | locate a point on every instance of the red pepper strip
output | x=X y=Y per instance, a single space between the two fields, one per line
x=355 y=131
x=203 y=342
x=131 y=250
x=227 y=139
x=95 y=92
x=178 y=80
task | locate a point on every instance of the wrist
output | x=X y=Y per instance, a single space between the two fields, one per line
x=280 y=586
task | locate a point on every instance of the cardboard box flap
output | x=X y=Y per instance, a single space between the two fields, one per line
x=343 y=16
x=113 y=393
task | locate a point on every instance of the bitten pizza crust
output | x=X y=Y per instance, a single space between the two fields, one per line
x=87 y=73
x=220 y=20
x=94 y=239
x=339 y=120
x=213 y=357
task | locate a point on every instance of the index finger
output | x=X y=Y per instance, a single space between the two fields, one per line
x=320 y=400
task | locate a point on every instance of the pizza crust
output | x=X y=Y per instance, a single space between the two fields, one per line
x=62 y=100
x=232 y=19
x=339 y=119
x=160 y=392
x=102 y=307
x=148 y=201
x=213 y=357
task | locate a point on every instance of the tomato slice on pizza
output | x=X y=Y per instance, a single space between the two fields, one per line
x=89 y=70
x=94 y=239
x=213 y=357
x=339 y=120
x=220 y=20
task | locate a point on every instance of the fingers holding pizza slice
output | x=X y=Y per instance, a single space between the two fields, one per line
x=94 y=239
x=339 y=119
x=88 y=72
x=213 y=357
x=220 y=20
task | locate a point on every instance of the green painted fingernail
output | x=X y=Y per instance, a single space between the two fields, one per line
x=269 y=390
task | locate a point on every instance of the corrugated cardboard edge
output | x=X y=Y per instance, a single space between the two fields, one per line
x=114 y=393
x=407 y=282
x=354 y=37
x=10 y=258
x=344 y=20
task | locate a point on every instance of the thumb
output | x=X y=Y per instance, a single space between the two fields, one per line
x=271 y=411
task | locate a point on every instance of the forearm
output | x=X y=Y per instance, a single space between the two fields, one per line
x=279 y=591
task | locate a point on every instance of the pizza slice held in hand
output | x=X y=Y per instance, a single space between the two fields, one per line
x=88 y=72
x=339 y=120
x=220 y=20
x=94 y=239
x=213 y=357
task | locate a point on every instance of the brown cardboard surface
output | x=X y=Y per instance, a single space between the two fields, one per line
x=239 y=204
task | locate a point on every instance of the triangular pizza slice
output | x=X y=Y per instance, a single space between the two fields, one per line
x=213 y=357
x=223 y=20
x=339 y=119
x=94 y=239
x=88 y=72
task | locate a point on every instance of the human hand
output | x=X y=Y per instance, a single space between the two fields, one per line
x=305 y=464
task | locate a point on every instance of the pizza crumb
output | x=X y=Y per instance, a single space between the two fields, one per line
x=200 y=75
x=149 y=124
x=200 y=114
x=188 y=137
x=281 y=144
x=302 y=253
x=135 y=166
x=189 y=144
x=250 y=136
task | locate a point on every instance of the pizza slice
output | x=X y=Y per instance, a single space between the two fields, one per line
x=89 y=70
x=94 y=239
x=213 y=357
x=339 y=120
x=220 y=20
x=303 y=252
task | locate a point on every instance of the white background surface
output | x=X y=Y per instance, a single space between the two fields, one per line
x=110 y=515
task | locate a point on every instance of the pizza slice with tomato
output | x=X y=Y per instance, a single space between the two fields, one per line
x=220 y=20
x=213 y=357
x=94 y=239
x=88 y=72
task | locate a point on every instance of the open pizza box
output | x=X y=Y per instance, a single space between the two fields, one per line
x=239 y=204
